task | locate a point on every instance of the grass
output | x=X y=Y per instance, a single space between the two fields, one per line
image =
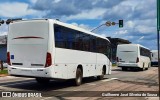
x=113 y=65
x=4 y=71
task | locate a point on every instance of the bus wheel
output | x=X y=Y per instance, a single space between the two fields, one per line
x=142 y=69
x=148 y=66
x=101 y=76
x=124 y=69
x=78 y=80
x=42 y=80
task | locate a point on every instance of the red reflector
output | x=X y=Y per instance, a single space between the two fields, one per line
x=137 y=60
x=8 y=58
x=48 y=60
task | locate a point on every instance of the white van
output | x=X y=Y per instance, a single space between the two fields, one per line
x=133 y=56
x=154 y=58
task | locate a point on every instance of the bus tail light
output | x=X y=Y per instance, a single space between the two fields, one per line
x=137 y=60
x=117 y=59
x=8 y=58
x=48 y=60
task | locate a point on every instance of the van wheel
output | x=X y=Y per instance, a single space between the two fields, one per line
x=101 y=76
x=42 y=80
x=78 y=80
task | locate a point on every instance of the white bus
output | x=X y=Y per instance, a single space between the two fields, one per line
x=49 y=49
x=133 y=56
x=154 y=58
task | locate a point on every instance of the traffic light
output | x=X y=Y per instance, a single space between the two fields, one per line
x=120 y=23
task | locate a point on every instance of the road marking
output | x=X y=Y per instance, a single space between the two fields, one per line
x=18 y=83
x=90 y=84
x=106 y=80
x=75 y=90
x=46 y=98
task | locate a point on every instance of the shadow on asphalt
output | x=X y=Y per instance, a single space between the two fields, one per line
x=128 y=70
x=52 y=85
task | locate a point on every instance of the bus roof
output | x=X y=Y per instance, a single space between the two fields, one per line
x=154 y=50
x=69 y=26
x=134 y=45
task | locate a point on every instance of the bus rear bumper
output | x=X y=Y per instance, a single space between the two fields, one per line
x=29 y=72
x=127 y=65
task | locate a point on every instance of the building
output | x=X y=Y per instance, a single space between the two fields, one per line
x=3 y=48
x=114 y=43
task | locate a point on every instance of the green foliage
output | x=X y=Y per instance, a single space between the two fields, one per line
x=3 y=71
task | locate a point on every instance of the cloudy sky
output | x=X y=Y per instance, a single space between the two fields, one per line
x=139 y=16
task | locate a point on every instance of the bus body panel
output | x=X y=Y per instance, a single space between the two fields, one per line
x=144 y=62
x=102 y=61
x=25 y=35
x=28 y=45
x=33 y=39
x=128 y=54
x=86 y=59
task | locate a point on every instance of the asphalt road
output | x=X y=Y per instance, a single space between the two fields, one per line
x=118 y=81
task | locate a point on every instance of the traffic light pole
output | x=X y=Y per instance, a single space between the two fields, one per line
x=97 y=27
x=108 y=23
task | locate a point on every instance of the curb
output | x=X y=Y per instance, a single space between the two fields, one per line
x=3 y=75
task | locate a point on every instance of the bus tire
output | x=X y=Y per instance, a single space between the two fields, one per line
x=148 y=66
x=102 y=75
x=78 y=79
x=142 y=69
x=124 y=69
x=42 y=80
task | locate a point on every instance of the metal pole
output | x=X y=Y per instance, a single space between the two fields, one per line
x=158 y=28
x=97 y=27
x=1 y=64
x=158 y=48
x=158 y=57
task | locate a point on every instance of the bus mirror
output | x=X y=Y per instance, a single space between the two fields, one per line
x=8 y=21
x=1 y=21
x=11 y=20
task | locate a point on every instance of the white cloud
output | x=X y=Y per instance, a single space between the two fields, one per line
x=104 y=35
x=75 y=24
x=122 y=32
x=3 y=29
x=3 y=33
x=88 y=14
x=86 y=27
x=56 y=1
x=33 y=1
x=145 y=29
x=141 y=38
x=130 y=24
x=132 y=3
x=16 y=9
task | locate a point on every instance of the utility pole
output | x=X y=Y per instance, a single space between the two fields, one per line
x=158 y=29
